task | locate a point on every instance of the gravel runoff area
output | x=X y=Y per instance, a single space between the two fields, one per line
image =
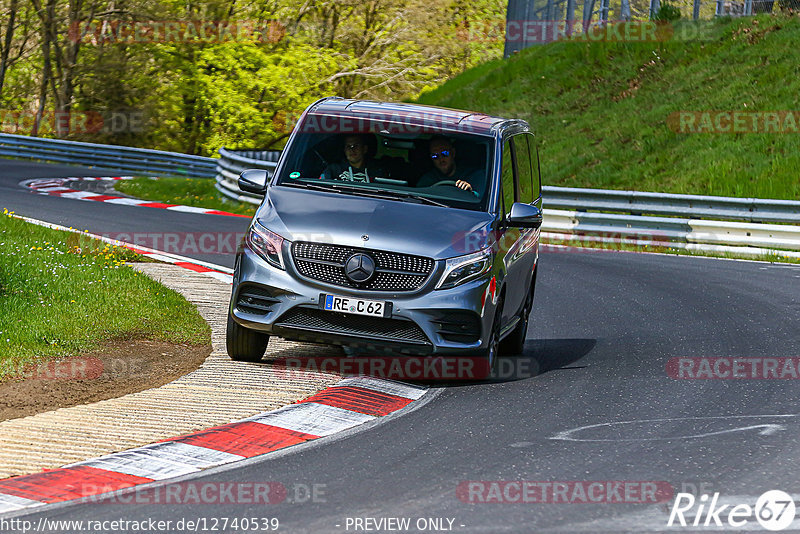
x=218 y=392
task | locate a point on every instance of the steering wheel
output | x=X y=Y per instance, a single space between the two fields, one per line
x=444 y=182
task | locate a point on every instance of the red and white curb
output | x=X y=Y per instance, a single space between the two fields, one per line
x=347 y=404
x=219 y=272
x=59 y=187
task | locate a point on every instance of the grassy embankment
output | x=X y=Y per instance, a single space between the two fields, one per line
x=602 y=109
x=64 y=294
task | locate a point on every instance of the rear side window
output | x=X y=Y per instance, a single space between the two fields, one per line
x=524 y=169
x=535 y=165
x=507 y=176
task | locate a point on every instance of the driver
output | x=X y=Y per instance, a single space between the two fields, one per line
x=443 y=155
x=357 y=165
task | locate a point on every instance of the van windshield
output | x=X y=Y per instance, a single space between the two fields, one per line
x=431 y=168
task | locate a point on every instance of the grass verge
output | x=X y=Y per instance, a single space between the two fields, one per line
x=199 y=192
x=64 y=294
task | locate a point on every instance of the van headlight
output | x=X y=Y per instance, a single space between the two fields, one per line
x=465 y=268
x=266 y=244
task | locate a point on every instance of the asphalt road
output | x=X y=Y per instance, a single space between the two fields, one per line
x=603 y=328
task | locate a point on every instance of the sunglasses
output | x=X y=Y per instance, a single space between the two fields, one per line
x=353 y=147
x=442 y=154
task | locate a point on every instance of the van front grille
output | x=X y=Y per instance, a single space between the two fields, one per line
x=393 y=271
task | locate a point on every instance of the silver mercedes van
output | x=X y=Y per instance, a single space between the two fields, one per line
x=392 y=226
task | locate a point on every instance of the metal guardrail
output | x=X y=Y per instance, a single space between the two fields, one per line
x=232 y=162
x=698 y=234
x=692 y=222
x=114 y=157
x=694 y=206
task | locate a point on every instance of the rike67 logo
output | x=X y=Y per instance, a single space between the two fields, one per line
x=774 y=510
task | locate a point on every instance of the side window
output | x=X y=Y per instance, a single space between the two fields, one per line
x=524 y=172
x=507 y=176
x=537 y=171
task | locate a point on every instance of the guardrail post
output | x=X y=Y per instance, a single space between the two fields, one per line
x=655 y=7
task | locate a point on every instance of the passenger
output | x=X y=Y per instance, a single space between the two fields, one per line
x=445 y=168
x=357 y=165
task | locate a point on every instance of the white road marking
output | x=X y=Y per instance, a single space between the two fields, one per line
x=189 y=209
x=127 y=201
x=767 y=428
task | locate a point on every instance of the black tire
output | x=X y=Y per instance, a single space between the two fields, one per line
x=514 y=343
x=243 y=344
x=489 y=356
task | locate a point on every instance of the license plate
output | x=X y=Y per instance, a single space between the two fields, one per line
x=373 y=308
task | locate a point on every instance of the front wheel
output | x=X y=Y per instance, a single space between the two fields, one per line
x=243 y=344
x=490 y=355
x=514 y=343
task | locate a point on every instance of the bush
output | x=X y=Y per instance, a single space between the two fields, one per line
x=668 y=12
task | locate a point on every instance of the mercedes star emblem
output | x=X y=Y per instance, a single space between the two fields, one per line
x=359 y=268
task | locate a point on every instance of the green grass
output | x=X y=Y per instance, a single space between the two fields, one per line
x=199 y=192
x=63 y=294
x=600 y=109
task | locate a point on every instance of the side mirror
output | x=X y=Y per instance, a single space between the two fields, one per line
x=254 y=181
x=525 y=216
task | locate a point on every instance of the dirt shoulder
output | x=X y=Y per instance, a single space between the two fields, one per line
x=118 y=368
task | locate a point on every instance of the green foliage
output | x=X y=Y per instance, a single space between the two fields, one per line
x=668 y=12
x=245 y=92
x=248 y=91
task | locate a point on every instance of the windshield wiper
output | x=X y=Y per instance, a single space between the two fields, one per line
x=356 y=190
x=425 y=200
x=311 y=185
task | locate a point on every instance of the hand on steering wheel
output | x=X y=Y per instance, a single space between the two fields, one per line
x=461 y=184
